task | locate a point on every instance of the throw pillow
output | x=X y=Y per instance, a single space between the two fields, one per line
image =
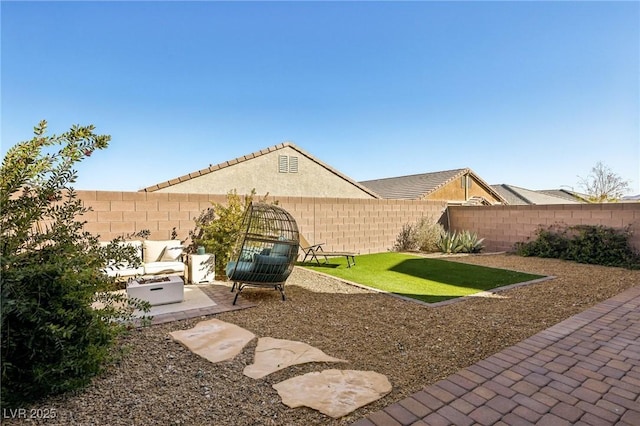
x=172 y=252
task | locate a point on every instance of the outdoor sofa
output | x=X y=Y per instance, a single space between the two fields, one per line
x=156 y=258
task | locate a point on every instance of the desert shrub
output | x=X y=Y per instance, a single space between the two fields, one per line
x=427 y=234
x=462 y=242
x=551 y=242
x=592 y=244
x=449 y=243
x=469 y=242
x=53 y=340
x=406 y=239
x=218 y=228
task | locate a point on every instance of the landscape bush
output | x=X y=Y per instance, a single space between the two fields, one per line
x=53 y=340
x=217 y=228
x=428 y=233
x=406 y=239
x=592 y=244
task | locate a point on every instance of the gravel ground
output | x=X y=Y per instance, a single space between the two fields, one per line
x=158 y=382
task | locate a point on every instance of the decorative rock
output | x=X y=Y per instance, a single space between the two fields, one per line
x=335 y=393
x=214 y=340
x=276 y=354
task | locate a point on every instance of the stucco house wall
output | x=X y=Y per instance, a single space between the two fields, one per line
x=281 y=171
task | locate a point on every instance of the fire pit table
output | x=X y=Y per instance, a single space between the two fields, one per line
x=157 y=291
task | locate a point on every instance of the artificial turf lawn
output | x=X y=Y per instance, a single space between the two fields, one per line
x=426 y=279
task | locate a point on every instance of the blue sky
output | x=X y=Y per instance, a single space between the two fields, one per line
x=531 y=94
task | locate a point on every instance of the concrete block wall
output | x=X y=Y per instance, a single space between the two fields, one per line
x=360 y=225
x=349 y=224
x=115 y=213
x=503 y=226
x=343 y=224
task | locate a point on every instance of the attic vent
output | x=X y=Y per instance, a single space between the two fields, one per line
x=283 y=163
x=465 y=181
x=293 y=164
x=287 y=164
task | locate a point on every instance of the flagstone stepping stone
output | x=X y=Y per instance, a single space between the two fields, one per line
x=335 y=393
x=214 y=340
x=276 y=354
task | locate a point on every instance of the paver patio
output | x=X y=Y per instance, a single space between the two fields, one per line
x=582 y=371
x=218 y=292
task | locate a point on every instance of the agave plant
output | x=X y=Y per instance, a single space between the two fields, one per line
x=463 y=242
x=469 y=242
x=449 y=243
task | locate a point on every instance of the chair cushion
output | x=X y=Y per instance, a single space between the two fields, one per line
x=247 y=253
x=280 y=249
x=270 y=264
x=242 y=271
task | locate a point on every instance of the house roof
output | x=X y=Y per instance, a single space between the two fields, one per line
x=566 y=194
x=213 y=168
x=521 y=196
x=413 y=187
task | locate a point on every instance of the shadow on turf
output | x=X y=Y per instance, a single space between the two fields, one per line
x=321 y=265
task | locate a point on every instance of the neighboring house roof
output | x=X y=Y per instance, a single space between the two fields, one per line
x=478 y=201
x=213 y=168
x=414 y=187
x=566 y=194
x=520 y=196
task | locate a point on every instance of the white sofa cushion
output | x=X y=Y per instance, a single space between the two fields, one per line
x=153 y=268
x=159 y=251
x=124 y=270
x=160 y=257
x=134 y=243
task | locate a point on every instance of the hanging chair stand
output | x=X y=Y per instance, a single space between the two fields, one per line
x=266 y=250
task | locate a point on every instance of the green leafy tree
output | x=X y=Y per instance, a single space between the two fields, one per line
x=218 y=228
x=603 y=185
x=53 y=339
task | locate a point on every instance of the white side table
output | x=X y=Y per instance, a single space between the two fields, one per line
x=201 y=268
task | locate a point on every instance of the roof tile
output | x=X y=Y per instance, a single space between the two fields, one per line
x=413 y=186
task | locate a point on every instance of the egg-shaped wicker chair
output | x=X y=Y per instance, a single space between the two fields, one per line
x=266 y=250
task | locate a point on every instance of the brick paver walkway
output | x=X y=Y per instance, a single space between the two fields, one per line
x=582 y=371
